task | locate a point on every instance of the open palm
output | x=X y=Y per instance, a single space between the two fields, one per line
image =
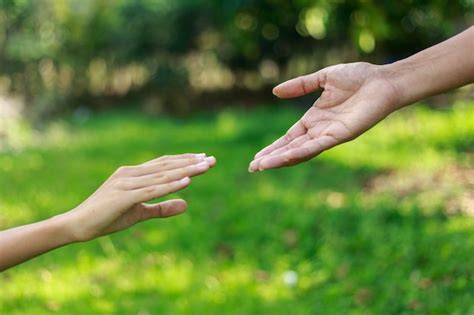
x=356 y=96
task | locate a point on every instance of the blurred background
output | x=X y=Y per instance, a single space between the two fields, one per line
x=183 y=56
x=380 y=225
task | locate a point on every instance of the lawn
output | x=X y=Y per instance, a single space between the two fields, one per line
x=381 y=225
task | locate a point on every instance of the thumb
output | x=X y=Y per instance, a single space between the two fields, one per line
x=164 y=209
x=299 y=86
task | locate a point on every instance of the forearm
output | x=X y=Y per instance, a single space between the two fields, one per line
x=25 y=242
x=442 y=67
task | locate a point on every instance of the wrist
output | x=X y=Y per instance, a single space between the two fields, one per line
x=62 y=227
x=395 y=74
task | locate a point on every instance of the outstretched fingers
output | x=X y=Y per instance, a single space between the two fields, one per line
x=167 y=176
x=156 y=191
x=255 y=165
x=162 y=165
x=295 y=143
x=304 y=152
x=300 y=86
x=294 y=132
x=160 y=177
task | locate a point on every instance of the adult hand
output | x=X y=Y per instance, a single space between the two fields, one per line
x=355 y=97
x=119 y=202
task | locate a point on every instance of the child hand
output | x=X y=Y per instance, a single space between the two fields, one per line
x=119 y=202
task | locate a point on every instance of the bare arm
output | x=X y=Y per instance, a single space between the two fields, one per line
x=22 y=243
x=435 y=70
x=357 y=96
x=116 y=205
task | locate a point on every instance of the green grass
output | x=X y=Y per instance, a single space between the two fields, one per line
x=374 y=226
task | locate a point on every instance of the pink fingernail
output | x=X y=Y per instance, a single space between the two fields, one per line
x=210 y=159
x=184 y=180
x=253 y=167
x=200 y=155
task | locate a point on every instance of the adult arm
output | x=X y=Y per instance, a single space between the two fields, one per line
x=357 y=96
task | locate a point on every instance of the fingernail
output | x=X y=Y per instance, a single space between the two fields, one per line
x=200 y=155
x=184 y=180
x=210 y=159
x=252 y=167
x=274 y=90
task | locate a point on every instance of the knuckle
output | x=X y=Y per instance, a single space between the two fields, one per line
x=185 y=171
x=287 y=137
x=118 y=183
x=150 y=190
x=159 y=210
x=122 y=170
x=166 y=177
x=141 y=216
x=165 y=164
x=118 y=171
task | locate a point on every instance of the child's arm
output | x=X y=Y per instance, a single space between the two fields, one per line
x=116 y=205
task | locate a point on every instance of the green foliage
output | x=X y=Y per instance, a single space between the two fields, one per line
x=78 y=52
x=371 y=227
